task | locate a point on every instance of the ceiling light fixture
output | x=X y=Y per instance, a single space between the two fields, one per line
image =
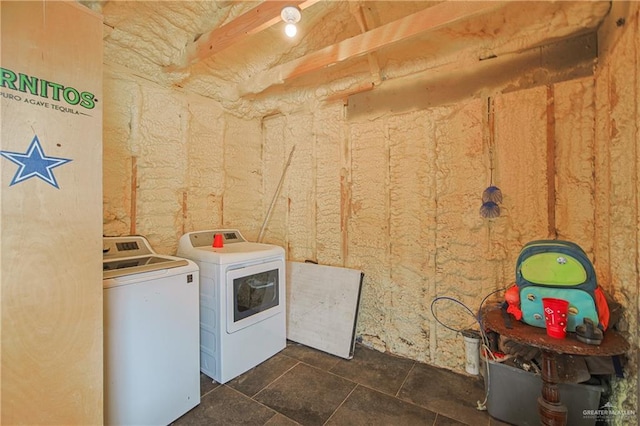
x=291 y=15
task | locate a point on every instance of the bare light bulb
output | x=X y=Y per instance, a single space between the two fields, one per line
x=291 y=15
x=291 y=30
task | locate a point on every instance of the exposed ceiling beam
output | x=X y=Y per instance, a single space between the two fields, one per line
x=261 y=17
x=358 y=12
x=430 y=19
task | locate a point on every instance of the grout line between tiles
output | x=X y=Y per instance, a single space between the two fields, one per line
x=397 y=395
x=341 y=404
x=251 y=398
x=276 y=379
x=323 y=370
x=216 y=386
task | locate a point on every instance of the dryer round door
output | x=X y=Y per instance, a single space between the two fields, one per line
x=254 y=293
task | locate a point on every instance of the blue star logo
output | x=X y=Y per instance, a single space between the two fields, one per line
x=34 y=163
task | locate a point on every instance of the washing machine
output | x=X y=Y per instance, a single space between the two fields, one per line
x=151 y=334
x=242 y=300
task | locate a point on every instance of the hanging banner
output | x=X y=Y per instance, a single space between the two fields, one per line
x=51 y=213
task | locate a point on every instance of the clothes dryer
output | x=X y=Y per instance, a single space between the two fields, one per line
x=242 y=301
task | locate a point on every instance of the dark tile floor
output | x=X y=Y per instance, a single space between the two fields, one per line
x=303 y=386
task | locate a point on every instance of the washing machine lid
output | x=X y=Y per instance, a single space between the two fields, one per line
x=198 y=246
x=132 y=255
x=127 y=266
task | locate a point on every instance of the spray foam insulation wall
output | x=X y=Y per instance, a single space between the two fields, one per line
x=396 y=192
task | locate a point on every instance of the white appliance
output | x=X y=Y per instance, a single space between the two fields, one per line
x=242 y=301
x=151 y=340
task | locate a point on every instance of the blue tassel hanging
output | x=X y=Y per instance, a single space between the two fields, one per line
x=489 y=210
x=492 y=194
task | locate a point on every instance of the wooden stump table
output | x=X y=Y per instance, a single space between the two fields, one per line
x=551 y=410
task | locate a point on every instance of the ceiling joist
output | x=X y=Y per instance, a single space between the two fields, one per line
x=430 y=19
x=263 y=16
x=358 y=12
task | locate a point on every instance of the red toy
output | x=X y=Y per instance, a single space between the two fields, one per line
x=512 y=296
